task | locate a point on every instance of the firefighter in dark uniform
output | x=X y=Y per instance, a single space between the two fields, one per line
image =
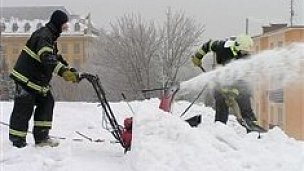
x=225 y=51
x=32 y=73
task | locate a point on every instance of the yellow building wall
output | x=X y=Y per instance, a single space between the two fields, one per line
x=294 y=102
x=11 y=49
x=264 y=43
x=12 y=46
x=264 y=103
x=295 y=35
x=292 y=108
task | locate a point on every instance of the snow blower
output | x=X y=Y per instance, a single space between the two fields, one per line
x=123 y=134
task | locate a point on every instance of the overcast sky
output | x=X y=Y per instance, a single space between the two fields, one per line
x=221 y=17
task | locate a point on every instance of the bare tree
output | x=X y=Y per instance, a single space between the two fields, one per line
x=6 y=84
x=179 y=34
x=134 y=55
x=130 y=49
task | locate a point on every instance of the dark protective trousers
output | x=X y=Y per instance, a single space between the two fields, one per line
x=25 y=103
x=243 y=100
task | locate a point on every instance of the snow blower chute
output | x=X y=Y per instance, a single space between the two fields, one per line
x=166 y=104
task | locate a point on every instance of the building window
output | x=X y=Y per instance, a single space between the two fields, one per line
x=257 y=109
x=77 y=63
x=15 y=27
x=15 y=49
x=4 y=63
x=3 y=49
x=39 y=25
x=27 y=27
x=257 y=49
x=271 y=46
x=1 y=63
x=271 y=114
x=276 y=96
x=64 y=48
x=85 y=31
x=2 y=27
x=276 y=117
x=280 y=117
x=77 y=27
x=76 y=48
x=280 y=44
x=271 y=117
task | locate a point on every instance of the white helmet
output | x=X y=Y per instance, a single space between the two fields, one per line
x=244 y=42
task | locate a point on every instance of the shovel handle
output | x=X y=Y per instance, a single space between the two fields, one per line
x=202 y=69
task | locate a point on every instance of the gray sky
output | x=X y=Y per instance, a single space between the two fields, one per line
x=221 y=17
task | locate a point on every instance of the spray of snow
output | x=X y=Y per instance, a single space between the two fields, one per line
x=281 y=66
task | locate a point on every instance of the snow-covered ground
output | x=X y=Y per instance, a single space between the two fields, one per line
x=161 y=141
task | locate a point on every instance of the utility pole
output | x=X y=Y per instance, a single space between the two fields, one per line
x=1 y=57
x=292 y=12
x=2 y=68
x=247 y=26
x=1 y=61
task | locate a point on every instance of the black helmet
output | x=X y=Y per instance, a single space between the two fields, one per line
x=59 y=18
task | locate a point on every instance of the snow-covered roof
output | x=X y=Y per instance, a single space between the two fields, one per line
x=25 y=20
x=15 y=25
x=161 y=141
x=31 y=12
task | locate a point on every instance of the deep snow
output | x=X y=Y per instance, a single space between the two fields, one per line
x=162 y=141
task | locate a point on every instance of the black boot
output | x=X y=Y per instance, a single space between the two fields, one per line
x=18 y=142
x=252 y=126
x=42 y=138
x=242 y=122
x=47 y=142
x=252 y=118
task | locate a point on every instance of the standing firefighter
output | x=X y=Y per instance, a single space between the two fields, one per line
x=32 y=73
x=238 y=94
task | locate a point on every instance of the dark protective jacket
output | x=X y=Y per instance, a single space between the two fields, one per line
x=38 y=60
x=225 y=51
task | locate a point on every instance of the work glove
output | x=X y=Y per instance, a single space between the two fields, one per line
x=230 y=92
x=70 y=76
x=234 y=92
x=196 y=61
x=230 y=95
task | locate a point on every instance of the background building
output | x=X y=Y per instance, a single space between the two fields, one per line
x=280 y=107
x=17 y=25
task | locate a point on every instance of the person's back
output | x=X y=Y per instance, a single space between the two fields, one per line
x=32 y=67
x=225 y=50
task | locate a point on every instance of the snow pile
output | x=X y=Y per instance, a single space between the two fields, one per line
x=166 y=143
x=162 y=141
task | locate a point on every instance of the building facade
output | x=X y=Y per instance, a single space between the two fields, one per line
x=18 y=23
x=280 y=107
